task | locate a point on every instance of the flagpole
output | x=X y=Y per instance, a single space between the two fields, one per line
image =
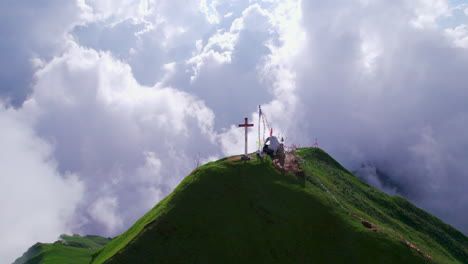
x=259 y=119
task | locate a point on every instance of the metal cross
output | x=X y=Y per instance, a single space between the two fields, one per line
x=246 y=125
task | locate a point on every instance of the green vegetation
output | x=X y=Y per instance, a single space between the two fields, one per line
x=234 y=212
x=69 y=249
x=396 y=216
x=90 y=242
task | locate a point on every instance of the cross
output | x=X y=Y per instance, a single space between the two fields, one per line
x=246 y=125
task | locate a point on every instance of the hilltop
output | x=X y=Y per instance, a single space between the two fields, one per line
x=312 y=211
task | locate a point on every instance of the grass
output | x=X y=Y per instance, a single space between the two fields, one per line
x=90 y=242
x=55 y=254
x=235 y=212
x=69 y=249
x=430 y=234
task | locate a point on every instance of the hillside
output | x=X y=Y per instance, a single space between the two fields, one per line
x=318 y=212
x=69 y=249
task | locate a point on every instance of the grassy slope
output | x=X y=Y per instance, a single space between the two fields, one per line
x=249 y=213
x=442 y=241
x=69 y=249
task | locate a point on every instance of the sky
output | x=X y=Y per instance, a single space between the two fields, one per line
x=105 y=106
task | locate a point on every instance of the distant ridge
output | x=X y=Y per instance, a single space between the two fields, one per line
x=67 y=250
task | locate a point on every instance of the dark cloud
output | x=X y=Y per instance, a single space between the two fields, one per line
x=29 y=30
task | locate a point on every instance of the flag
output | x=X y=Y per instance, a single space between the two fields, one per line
x=271 y=132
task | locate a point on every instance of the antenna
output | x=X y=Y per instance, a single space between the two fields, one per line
x=198 y=160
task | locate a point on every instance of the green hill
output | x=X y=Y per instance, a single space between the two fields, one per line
x=234 y=212
x=69 y=249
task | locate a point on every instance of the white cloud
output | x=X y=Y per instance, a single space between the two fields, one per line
x=459 y=35
x=105 y=212
x=37 y=201
x=370 y=48
x=122 y=136
x=427 y=12
x=210 y=11
x=221 y=45
x=148 y=173
x=103 y=9
x=232 y=141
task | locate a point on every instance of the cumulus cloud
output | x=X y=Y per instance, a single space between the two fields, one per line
x=147 y=40
x=225 y=71
x=427 y=12
x=459 y=35
x=37 y=201
x=130 y=142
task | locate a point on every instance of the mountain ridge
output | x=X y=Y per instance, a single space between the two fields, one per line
x=311 y=210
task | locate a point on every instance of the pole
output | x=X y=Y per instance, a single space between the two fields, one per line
x=246 y=136
x=259 y=119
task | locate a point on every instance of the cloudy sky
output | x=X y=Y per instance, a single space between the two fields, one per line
x=106 y=105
